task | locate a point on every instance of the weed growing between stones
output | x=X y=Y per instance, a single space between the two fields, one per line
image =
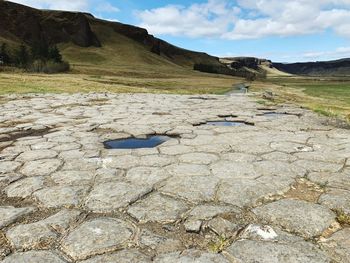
x=342 y=217
x=219 y=245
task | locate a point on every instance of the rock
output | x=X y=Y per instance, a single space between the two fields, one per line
x=25 y=187
x=146 y=175
x=336 y=199
x=108 y=197
x=247 y=251
x=191 y=188
x=193 y=226
x=185 y=170
x=34 y=257
x=9 y=214
x=157 y=208
x=159 y=243
x=198 y=158
x=338 y=245
x=96 y=237
x=40 y=235
x=206 y=212
x=306 y=219
x=195 y=256
x=222 y=227
x=41 y=167
x=9 y=167
x=70 y=178
x=36 y=155
x=61 y=196
x=124 y=256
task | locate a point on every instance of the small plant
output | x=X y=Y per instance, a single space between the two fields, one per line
x=342 y=217
x=219 y=245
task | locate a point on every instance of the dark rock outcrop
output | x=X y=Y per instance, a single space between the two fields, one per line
x=24 y=24
x=329 y=68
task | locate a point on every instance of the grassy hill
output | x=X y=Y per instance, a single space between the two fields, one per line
x=104 y=56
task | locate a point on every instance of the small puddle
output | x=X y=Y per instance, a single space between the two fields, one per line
x=238 y=89
x=137 y=143
x=273 y=114
x=226 y=123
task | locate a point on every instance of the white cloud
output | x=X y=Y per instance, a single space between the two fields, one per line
x=339 y=52
x=198 y=20
x=107 y=8
x=70 y=5
x=249 y=19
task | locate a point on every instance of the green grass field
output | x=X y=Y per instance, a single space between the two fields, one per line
x=327 y=96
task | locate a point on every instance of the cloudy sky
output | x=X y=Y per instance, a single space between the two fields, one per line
x=281 y=30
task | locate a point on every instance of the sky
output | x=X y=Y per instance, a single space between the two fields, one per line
x=280 y=30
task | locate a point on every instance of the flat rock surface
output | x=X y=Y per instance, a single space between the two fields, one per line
x=65 y=198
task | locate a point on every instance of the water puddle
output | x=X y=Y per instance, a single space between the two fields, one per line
x=226 y=123
x=137 y=143
x=238 y=89
x=272 y=114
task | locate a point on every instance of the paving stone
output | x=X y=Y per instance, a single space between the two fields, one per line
x=156 y=160
x=109 y=197
x=338 y=245
x=41 y=167
x=36 y=155
x=146 y=175
x=96 y=237
x=157 y=208
x=159 y=243
x=9 y=214
x=61 y=196
x=34 y=257
x=195 y=256
x=198 y=158
x=205 y=212
x=223 y=227
x=298 y=216
x=234 y=170
x=9 y=167
x=192 y=188
x=6 y=179
x=193 y=225
x=73 y=177
x=246 y=192
x=25 y=187
x=248 y=251
x=336 y=199
x=40 y=234
x=185 y=170
x=124 y=256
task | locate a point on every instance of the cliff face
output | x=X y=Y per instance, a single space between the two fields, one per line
x=329 y=68
x=24 y=24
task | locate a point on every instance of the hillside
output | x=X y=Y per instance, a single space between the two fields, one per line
x=92 y=44
x=339 y=67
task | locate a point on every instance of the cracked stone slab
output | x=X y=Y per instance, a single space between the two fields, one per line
x=108 y=197
x=124 y=256
x=158 y=208
x=338 y=245
x=9 y=167
x=336 y=199
x=36 y=155
x=73 y=177
x=248 y=251
x=97 y=236
x=61 y=196
x=146 y=175
x=25 y=187
x=206 y=212
x=40 y=167
x=9 y=214
x=192 y=188
x=34 y=257
x=159 y=243
x=195 y=256
x=306 y=219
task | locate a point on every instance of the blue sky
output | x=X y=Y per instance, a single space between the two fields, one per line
x=280 y=30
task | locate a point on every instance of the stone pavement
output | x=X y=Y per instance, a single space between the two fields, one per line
x=275 y=191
